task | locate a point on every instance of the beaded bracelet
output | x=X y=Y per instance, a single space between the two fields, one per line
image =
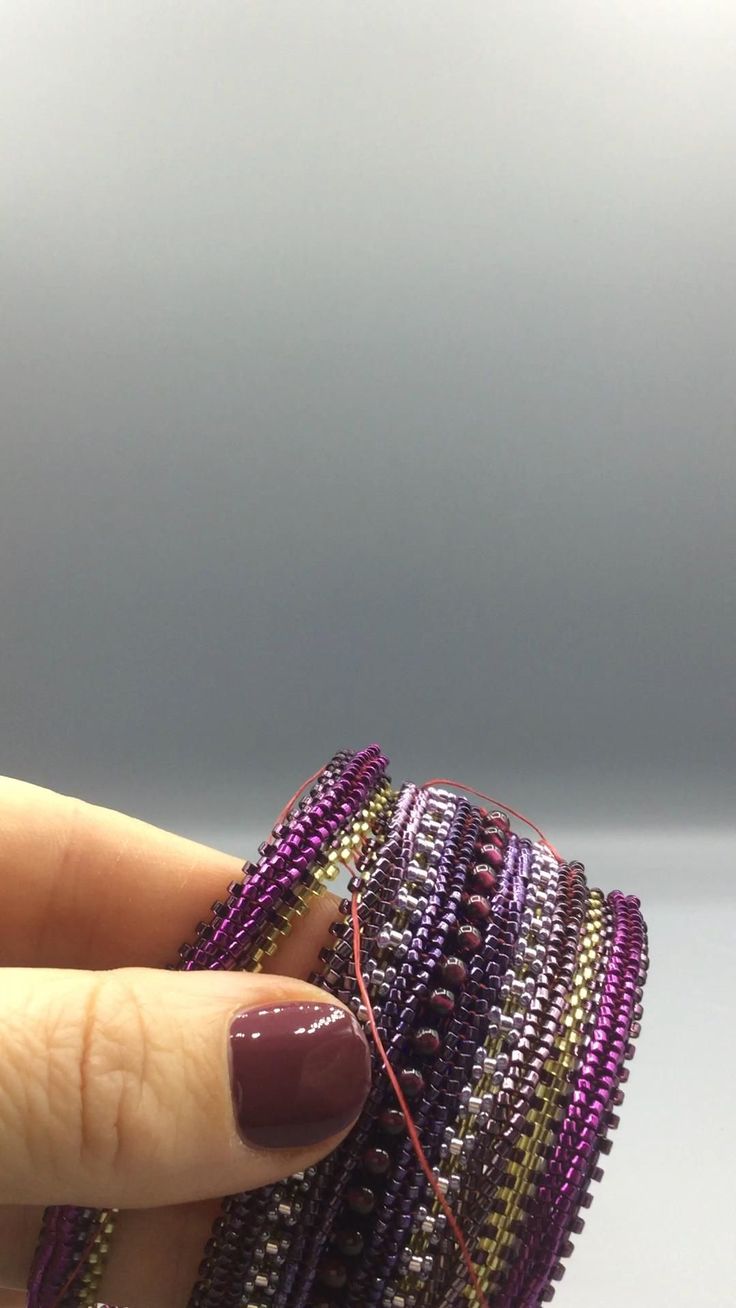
x=501 y=999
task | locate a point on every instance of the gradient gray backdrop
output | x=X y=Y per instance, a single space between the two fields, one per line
x=368 y=374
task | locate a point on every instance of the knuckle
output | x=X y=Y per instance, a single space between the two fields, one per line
x=18 y=1094
x=84 y=1068
x=95 y=1093
x=117 y=1099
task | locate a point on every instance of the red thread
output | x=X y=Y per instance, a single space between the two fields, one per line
x=287 y=807
x=448 y=781
x=410 y=1125
x=365 y=997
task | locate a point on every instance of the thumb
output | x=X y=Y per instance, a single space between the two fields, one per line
x=139 y=1087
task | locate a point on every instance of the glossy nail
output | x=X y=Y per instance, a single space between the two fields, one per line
x=300 y=1073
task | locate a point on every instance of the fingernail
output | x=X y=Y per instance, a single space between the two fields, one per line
x=300 y=1073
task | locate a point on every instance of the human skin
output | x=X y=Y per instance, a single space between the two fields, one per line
x=93 y=904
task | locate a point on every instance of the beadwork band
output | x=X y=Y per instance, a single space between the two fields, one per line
x=506 y=993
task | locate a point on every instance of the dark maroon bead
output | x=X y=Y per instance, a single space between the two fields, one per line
x=484 y=877
x=492 y=855
x=477 y=907
x=495 y=837
x=454 y=971
x=426 y=1040
x=469 y=937
x=442 y=1001
x=392 y=1121
x=350 y=1242
x=376 y=1161
x=361 y=1199
x=411 y=1082
x=499 y=819
x=332 y=1272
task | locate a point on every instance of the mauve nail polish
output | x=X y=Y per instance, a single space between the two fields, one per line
x=300 y=1073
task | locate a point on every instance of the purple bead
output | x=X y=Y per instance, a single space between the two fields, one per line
x=473 y=924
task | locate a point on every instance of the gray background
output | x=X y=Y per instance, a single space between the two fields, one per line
x=368 y=374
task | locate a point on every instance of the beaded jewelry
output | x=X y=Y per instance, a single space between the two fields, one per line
x=501 y=999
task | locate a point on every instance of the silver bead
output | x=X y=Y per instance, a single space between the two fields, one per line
x=416 y=874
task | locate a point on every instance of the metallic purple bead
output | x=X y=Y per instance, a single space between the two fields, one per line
x=493 y=942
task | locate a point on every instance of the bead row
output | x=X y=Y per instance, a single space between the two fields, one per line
x=327 y=825
x=507 y=995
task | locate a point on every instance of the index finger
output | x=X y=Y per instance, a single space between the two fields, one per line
x=84 y=886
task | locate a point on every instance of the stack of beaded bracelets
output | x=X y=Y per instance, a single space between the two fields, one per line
x=507 y=996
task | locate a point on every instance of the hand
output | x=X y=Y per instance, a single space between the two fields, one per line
x=120 y=1083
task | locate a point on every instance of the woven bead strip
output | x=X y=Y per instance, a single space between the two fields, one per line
x=507 y=995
